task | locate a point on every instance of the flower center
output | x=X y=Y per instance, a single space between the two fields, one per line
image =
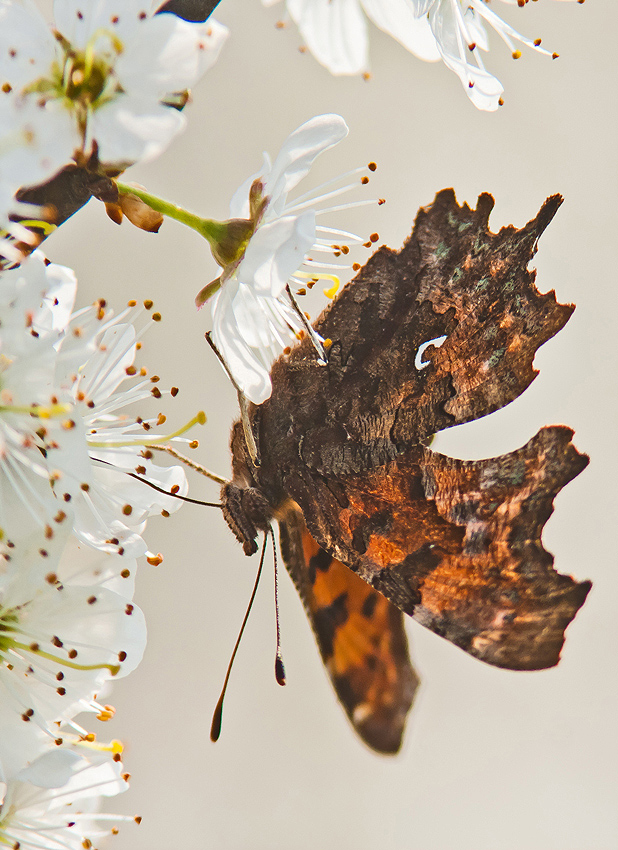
x=8 y=622
x=83 y=79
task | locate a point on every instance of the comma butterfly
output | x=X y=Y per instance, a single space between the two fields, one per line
x=374 y=523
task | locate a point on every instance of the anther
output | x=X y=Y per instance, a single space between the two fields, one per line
x=148 y=304
x=372 y=166
x=127 y=510
x=72 y=653
x=91 y=600
x=155 y=560
x=125 y=573
x=122 y=655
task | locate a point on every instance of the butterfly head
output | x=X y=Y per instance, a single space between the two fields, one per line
x=246 y=511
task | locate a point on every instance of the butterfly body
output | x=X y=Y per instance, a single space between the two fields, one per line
x=346 y=469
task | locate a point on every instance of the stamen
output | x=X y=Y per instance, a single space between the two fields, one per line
x=198 y=419
x=360 y=170
x=35 y=650
x=296 y=207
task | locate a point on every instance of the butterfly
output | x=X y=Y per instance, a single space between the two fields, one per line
x=373 y=523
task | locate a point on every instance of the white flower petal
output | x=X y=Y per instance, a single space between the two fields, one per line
x=399 y=19
x=52 y=769
x=276 y=250
x=170 y=55
x=483 y=89
x=298 y=153
x=245 y=363
x=129 y=129
x=335 y=32
x=78 y=20
x=27 y=46
x=239 y=205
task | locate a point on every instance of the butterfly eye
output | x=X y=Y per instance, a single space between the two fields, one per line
x=418 y=360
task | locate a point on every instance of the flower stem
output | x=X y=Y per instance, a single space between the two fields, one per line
x=213 y=231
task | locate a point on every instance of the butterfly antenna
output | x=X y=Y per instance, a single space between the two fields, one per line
x=279 y=668
x=166 y=492
x=215 y=727
x=315 y=338
x=242 y=401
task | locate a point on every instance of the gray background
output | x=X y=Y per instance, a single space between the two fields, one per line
x=492 y=759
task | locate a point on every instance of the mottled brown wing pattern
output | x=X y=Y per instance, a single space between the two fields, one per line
x=453 y=278
x=456 y=544
x=360 y=635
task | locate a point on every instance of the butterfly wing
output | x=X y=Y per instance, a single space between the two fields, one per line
x=360 y=635
x=456 y=544
x=382 y=389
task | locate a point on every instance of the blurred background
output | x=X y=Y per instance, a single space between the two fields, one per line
x=492 y=760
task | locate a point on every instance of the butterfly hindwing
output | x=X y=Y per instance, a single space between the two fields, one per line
x=456 y=544
x=360 y=635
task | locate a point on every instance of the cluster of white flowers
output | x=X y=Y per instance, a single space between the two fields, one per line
x=103 y=81
x=98 y=88
x=71 y=526
x=452 y=30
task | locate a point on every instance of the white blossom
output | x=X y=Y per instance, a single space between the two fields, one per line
x=65 y=379
x=253 y=319
x=34 y=816
x=110 y=66
x=335 y=31
x=31 y=151
x=67 y=626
